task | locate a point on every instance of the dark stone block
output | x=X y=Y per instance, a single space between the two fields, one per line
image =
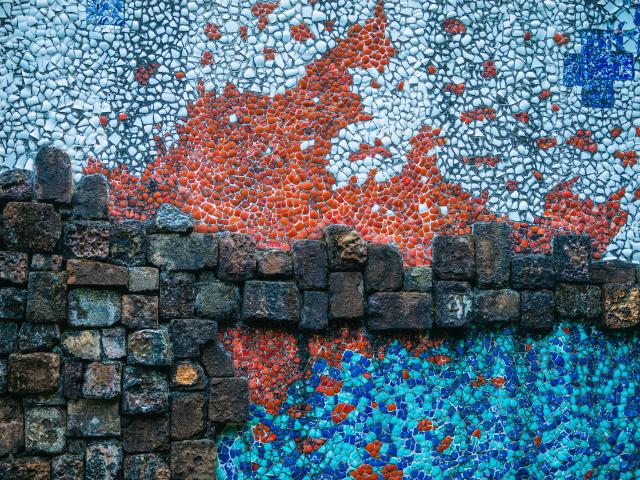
x=177 y=294
x=621 y=305
x=25 y=469
x=310 y=264
x=33 y=227
x=188 y=375
x=91 y=198
x=86 y=239
x=274 y=264
x=113 y=343
x=43 y=262
x=103 y=460
x=418 y=279
x=170 y=219
x=346 y=249
x=493 y=254
x=145 y=391
x=67 y=467
x=11 y=426
x=497 y=306
x=150 y=348
x=532 y=272
x=14 y=267
x=4 y=370
x=38 y=336
x=146 y=433
x=128 y=245
x=140 y=311
x=346 y=301
x=271 y=302
x=148 y=466
x=73 y=378
x=314 y=315
x=8 y=337
x=217 y=362
x=52 y=176
x=47 y=297
x=383 y=271
x=390 y=311
x=571 y=258
x=453 y=304
x=536 y=310
x=15 y=186
x=217 y=300
x=84 y=344
x=86 y=273
x=228 y=400
x=190 y=334
x=454 y=257
x=192 y=459
x=33 y=372
x=93 y=308
x=143 y=279
x=176 y=252
x=187 y=415
x=237 y=260
x=12 y=303
x=613 y=271
x=578 y=301
x=45 y=430
x=102 y=380
x=93 y=418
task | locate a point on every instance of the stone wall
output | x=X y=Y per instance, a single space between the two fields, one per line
x=109 y=361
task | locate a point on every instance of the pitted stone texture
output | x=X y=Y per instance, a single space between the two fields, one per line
x=453 y=303
x=346 y=249
x=418 y=279
x=190 y=334
x=14 y=267
x=310 y=264
x=86 y=273
x=217 y=300
x=102 y=380
x=53 y=181
x=103 y=460
x=38 y=336
x=177 y=252
x=4 y=370
x=47 y=297
x=93 y=418
x=237 y=261
x=389 y=311
x=35 y=468
x=216 y=361
x=114 y=343
x=170 y=219
x=612 y=271
x=536 y=310
x=532 y=272
x=8 y=337
x=43 y=262
x=84 y=344
x=11 y=425
x=274 y=264
x=33 y=372
x=271 y=302
x=493 y=254
x=578 y=301
x=187 y=415
x=454 y=257
x=93 y=308
x=86 y=239
x=496 y=306
x=143 y=279
x=346 y=301
x=15 y=186
x=145 y=433
x=33 y=227
x=73 y=379
x=144 y=391
x=314 y=315
x=192 y=460
x=45 y=430
x=177 y=294
x=150 y=348
x=140 y=311
x=146 y=466
x=228 y=400
x=621 y=305
x=67 y=467
x=571 y=258
x=91 y=198
x=128 y=245
x=12 y=303
x=189 y=375
x=383 y=271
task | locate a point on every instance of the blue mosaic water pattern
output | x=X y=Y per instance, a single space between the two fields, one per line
x=491 y=404
x=105 y=12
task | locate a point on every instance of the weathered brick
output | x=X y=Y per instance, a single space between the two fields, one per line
x=103 y=460
x=621 y=305
x=11 y=425
x=216 y=361
x=346 y=301
x=144 y=391
x=187 y=415
x=128 y=243
x=143 y=279
x=418 y=279
x=177 y=252
x=189 y=375
x=536 y=310
x=114 y=343
x=272 y=302
x=177 y=294
x=532 y=272
x=237 y=260
x=496 y=306
x=45 y=430
x=140 y=311
x=14 y=267
x=314 y=315
x=578 y=301
x=217 y=300
x=86 y=239
x=73 y=379
x=4 y=371
x=170 y=219
x=29 y=468
x=33 y=372
x=52 y=176
x=188 y=335
x=454 y=257
x=192 y=459
x=612 y=271
x=389 y=311
x=453 y=303
x=274 y=264
x=84 y=344
x=12 y=303
x=383 y=270
x=16 y=186
x=38 y=336
x=44 y=261
x=67 y=467
x=33 y=227
x=8 y=337
x=91 y=198
x=93 y=308
x=145 y=433
x=310 y=264
x=228 y=400
x=346 y=250
x=102 y=380
x=93 y=418
x=146 y=466
x=493 y=254
x=47 y=297
x=150 y=348
x=87 y=273
x=571 y=257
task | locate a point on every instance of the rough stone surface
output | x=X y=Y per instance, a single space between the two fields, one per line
x=67 y=467
x=177 y=294
x=93 y=308
x=33 y=227
x=4 y=370
x=144 y=391
x=38 y=336
x=91 y=198
x=150 y=348
x=8 y=337
x=493 y=254
x=417 y=279
x=177 y=252
x=389 y=311
x=192 y=460
x=11 y=425
x=102 y=380
x=103 y=460
x=33 y=372
x=454 y=257
x=86 y=239
x=571 y=257
x=314 y=315
x=14 y=267
x=216 y=361
x=52 y=176
x=532 y=272
x=73 y=379
x=147 y=466
x=578 y=301
x=113 y=343
x=93 y=418
x=47 y=297
x=86 y=273
x=15 y=186
x=128 y=245
x=12 y=303
x=44 y=261
x=228 y=400
x=621 y=305
x=143 y=279
x=140 y=311
x=190 y=334
x=310 y=264
x=237 y=260
x=346 y=300
x=496 y=306
x=274 y=264
x=453 y=302
x=84 y=344
x=383 y=271
x=45 y=430
x=145 y=433
x=189 y=375
x=25 y=469
x=613 y=271
x=187 y=415
x=271 y=302
x=170 y=219
x=536 y=310
x=346 y=249
x=217 y=300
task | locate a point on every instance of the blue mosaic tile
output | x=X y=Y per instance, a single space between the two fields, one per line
x=105 y=12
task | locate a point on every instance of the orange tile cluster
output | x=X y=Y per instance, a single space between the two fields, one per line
x=629 y=158
x=582 y=141
x=454 y=26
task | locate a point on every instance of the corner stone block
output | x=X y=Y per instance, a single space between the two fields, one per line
x=383 y=271
x=237 y=259
x=228 y=400
x=146 y=433
x=493 y=254
x=271 y=302
x=216 y=361
x=144 y=391
x=536 y=311
x=621 y=305
x=86 y=273
x=170 y=219
x=12 y=303
x=571 y=258
x=67 y=467
x=417 y=279
x=188 y=375
x=45 y=430
x=16 y=186
x=453 y=303
x=532 y=272
x=613 y=271
x=29 y=468
x=578 y=301
x=102 y=380
x=192 y=459
x=128 y=244
x=176 y=252
x=454 y=257
x=32 y=227
x=33 y=372
x=217 y=300
x=93 y=418
x=496 y=306
x=314 y=315
x=189 y=335
x=53 y=180
x=143 y=279
x=274 y=264
x=390 y=311
x=47 y=297
x=346 y=301
x=346 y=249
x=86 y=239
x=150 y=348
x=11 y=425
x=146 y=466
x=187 y=415
x=14 y=267
x=140 y=311
x=177 y=295
x=310 y=264
x=103 y=460
x=91 y=198
x=93 y=308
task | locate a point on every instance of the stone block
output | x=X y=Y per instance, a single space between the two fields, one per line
x=493 y=254
x=192 y=460
x=91 y=198
x=391 y=311
x=536 y=310
x=140 y=311
x=128 y=245
x=189 y=375
x=29 y=468
x=188 y=335
x=43 y=262
x=383 y=271
x=271 y=302
x=621 y=305
x=346 y=250
x=8 y=337
x=67 y=467
x=114 y=343
x=217 y=300
x=237 y=260
x=47 y=297
x=143 y=279
x=52 y=176
x=45 y=430
x=578 y=301
x=314 y=315
x=86 y=273
x=33 y=372
x=187 y=415
x=12 y=303
x=146 y=433
x=612 y=271
x=454 y=257
x=102 y=380
x=144 y=391
x=146 y=466
x=177 y=295
x=93 y=308
x=532 y=272
x=496 y=306
x=86 y=239
x=453 y=302
x=228 y=400
x=417 y=279
x=346 y=301
x=4 y=371
x=38 y=336
x=11 y=426
x=177 y=252
x=170 y=219
x=274 y=264
x=150 y=348
x=84 y=344
x=571 y=258
x=93 y=418
x=73 y=379
x=14 y=267
x=33 y=227
x=216 y=361
x=16 y=186
x=310 y=264
x=103 y=460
